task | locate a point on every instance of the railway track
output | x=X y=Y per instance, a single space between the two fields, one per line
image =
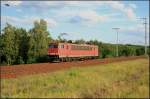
x=30 y=69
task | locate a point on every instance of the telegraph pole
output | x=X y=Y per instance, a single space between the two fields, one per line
x=116 y=29
x=145 y=24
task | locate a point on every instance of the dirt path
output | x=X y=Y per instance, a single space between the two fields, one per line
x=30 y=69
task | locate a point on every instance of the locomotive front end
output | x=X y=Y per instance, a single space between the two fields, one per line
x=53 y=51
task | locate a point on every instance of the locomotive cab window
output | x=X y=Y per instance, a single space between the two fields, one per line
x=53 y=46
x=61 y=46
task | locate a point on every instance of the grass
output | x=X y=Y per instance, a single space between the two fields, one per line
x=129 y=79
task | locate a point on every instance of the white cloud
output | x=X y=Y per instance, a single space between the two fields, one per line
x=127 y=10
x=87 y=17
x=134 y=34
x=138 y=30
x=45 y=5
x=133 y=6
x=87 y=13
x=26 y=20
x=116 y=6
x=13 y=3
x=18 y=10
x=51 y=22
x=130 y=14
x=91 y=16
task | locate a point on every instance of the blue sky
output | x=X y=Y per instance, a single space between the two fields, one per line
x=87 y=20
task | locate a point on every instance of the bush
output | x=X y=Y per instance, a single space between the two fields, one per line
x=4 y=63
x=105 y=52
x=140 y=51
x=19 y=60
x=43 y=58
x=31 y=60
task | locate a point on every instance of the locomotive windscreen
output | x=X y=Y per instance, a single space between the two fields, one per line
x=53 y=46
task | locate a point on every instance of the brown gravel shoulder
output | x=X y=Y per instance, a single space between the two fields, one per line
x=30 y=69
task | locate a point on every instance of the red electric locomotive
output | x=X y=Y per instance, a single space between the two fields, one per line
x=69 y=51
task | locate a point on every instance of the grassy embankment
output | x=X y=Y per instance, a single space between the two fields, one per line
x=123 y=79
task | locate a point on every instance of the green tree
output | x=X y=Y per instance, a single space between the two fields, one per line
x=80 y=41
x=14 y=45
x=124 y=51
x=23 y=46
x=69 y=41
x=8 y=46
x=95 y=42
x=38 y=42
x=140 y=51
x=1 y=50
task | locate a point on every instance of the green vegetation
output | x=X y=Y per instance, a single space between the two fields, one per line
x=129 y=79
x=18 y=46
x=38 y=41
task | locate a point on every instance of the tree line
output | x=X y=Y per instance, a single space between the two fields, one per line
x=19 y=46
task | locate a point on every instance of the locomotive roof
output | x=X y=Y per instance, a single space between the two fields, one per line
x=73 y=44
